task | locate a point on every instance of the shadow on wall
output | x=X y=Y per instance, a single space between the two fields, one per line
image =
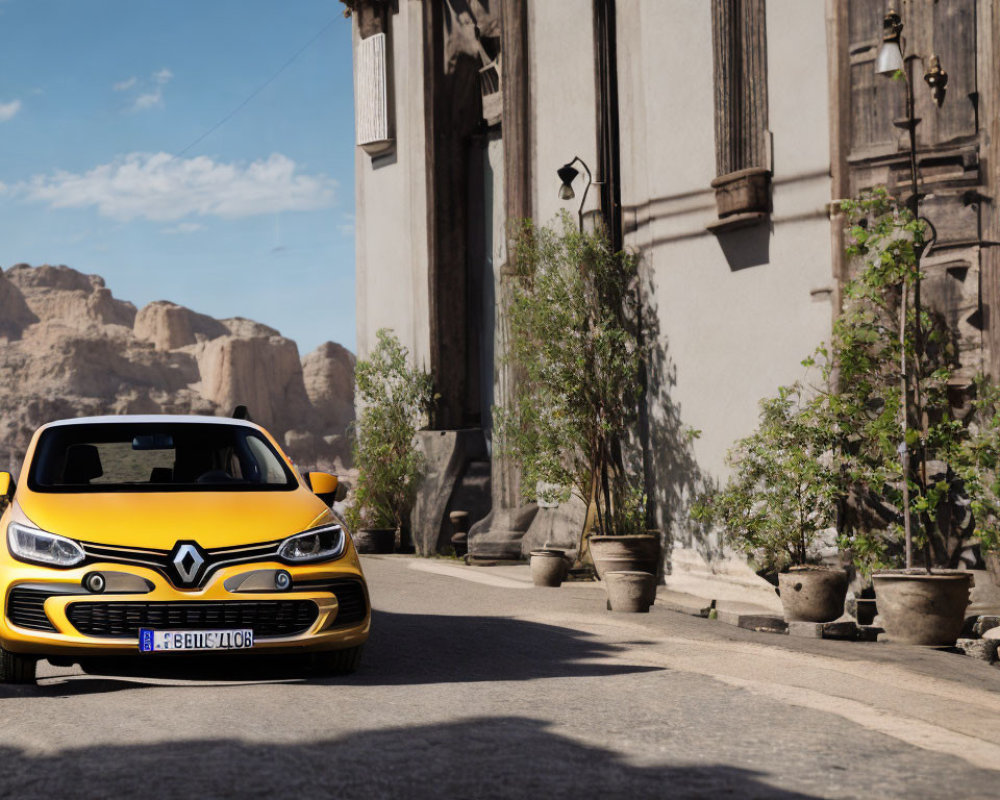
x=676 y=477
x=746 y=247
x=500 y=756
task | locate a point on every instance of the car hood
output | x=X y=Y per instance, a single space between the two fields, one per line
x=159 y=520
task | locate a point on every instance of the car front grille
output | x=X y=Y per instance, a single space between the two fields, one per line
x=160 y=560
x=270 y=618
x=350 y=594
x=26 y=608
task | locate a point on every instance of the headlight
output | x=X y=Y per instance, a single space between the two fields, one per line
x=319 y=544
x=41 y=547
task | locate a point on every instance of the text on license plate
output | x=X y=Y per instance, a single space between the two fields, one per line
x=151 y=641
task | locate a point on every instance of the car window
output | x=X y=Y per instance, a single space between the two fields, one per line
x=156 y=457
x=273 y=470
x=121 y=464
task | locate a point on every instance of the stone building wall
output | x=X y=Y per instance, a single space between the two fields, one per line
x=738 y=299
x=391 y=201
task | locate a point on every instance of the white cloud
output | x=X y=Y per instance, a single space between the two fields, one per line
x=148 y=100
x=184 y=227
x=146 y=93
x=346 y=227
x=162 y=188
x=9 y=110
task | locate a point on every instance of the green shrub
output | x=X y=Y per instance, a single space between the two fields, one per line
x=782 y=490
x=394 y=401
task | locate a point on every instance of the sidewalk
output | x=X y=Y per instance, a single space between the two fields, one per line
x=756 y=608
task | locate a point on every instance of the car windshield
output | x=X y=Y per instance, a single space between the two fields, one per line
x=156 y=457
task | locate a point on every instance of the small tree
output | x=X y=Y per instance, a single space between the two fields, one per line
x=782 y=490
x=888 y=359
x=395 y=400
x=575 y=340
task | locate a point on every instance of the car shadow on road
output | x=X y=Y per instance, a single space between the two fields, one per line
x=450 y=649
x=437 y=649
x=488 y=757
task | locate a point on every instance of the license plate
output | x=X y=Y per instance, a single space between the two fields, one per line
x=151 y=641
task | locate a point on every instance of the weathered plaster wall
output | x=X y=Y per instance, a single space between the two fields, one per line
x=391 y=201
x=561 y=40
x=736 y=312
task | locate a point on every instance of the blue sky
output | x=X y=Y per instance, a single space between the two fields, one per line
x=103 y=106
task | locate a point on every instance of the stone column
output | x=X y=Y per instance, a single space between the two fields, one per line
x=499 y=534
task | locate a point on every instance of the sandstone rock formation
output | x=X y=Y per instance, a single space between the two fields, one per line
x=68 y=348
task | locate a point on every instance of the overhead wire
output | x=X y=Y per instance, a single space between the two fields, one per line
x=259 y=89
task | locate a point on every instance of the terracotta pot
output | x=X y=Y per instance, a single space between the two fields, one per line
x=375 y=540
x=992 y=559
x=917 y=607
x=548 y=567
x=812 y=594
x=629 y=590
x=625 y=553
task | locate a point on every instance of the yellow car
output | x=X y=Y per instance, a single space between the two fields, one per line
x=155 y=535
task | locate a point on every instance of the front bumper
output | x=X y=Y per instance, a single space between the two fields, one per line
x=49 y=612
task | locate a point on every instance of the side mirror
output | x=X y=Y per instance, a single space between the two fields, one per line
x=6 y=487
x=324 y=486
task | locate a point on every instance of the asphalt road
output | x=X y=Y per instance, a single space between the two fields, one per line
x=476 y=684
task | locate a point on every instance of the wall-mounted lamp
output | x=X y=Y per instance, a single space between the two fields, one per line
x=567 y=174
x=937 y=79
x=891 y=58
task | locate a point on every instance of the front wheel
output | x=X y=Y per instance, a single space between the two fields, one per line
x=339 y=662
x=16 y=668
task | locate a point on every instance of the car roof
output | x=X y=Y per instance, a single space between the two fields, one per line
x=151 y=418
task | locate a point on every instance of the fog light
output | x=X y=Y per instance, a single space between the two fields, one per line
x=282 y=581
x=94 y=582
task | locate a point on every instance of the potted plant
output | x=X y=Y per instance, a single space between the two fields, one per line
x=394 y=400
x=910 y=457
x=780 y=497
x=977 y=464
x=576 y=341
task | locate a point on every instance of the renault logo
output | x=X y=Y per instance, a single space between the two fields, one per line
x=187 y=561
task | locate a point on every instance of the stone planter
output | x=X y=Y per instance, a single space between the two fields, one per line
x=548 y=567
x=375 y=540
x=812 y=594
x=748 y=190
x=917 y=607
x=630 y=591
x=992 y=559
x=625 y=553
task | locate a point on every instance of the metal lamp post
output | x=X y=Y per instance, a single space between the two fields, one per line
x=892 y=61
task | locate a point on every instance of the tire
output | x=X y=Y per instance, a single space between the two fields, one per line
x=15 y=668
x=339 y=662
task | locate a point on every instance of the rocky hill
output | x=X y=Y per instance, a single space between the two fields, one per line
x=68 y=348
